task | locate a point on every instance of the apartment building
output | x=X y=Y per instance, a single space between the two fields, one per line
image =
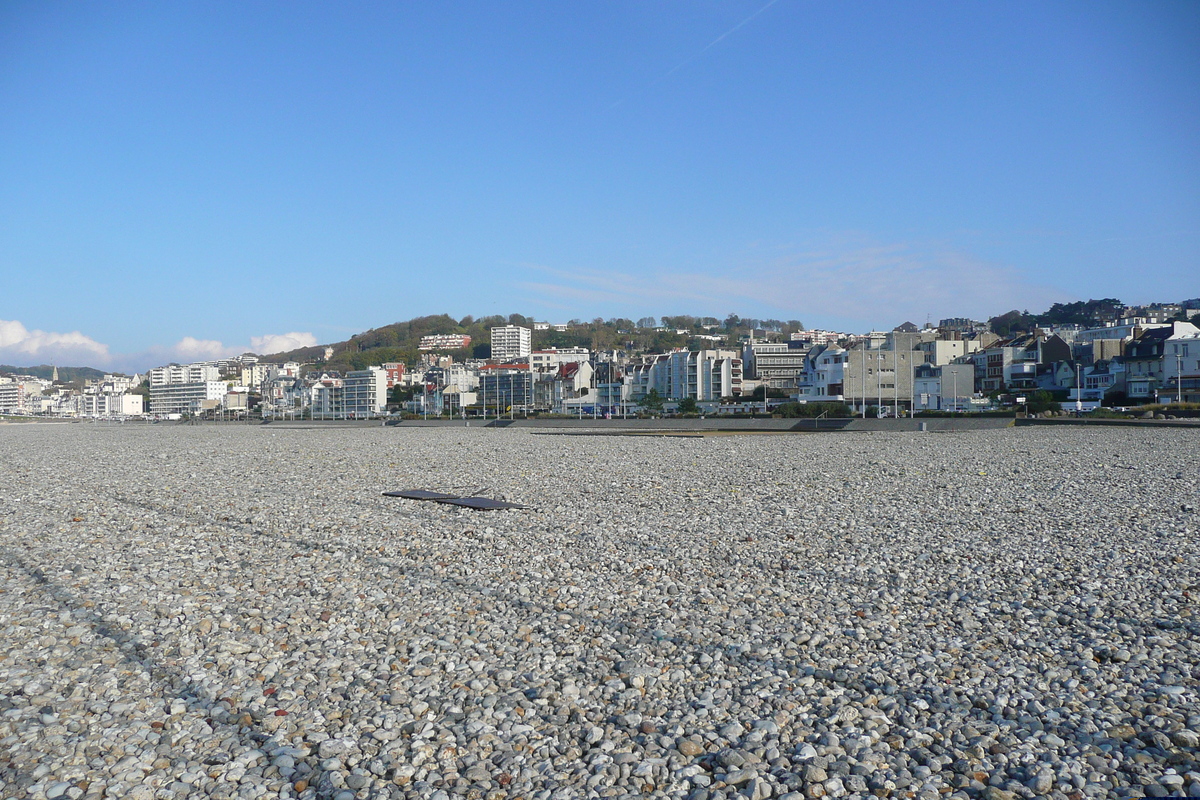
x=506 y=387
x=550 y=360
x=444 y=341
x=779 y=365
x=824 y=373
x=365 y=392
x=698 y=374
x=1145 y=358
x=944 y=351
x=511 y=342
x=109 y=404
x=815 y=337
x=1013 y=363
x=254 y=375
x=184 y=373
x=1181 y=368
x=185 y=398
x=12 y=396
x=394 y=371
x=327 y=397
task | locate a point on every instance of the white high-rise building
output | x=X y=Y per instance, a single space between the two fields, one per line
x=511 y=342
x=365 y=392
x=185 y=388
x=185 y=398
x=184 y=373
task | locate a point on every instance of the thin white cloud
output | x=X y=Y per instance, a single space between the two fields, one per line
x=23 y=347
x=281 y=342
x=847 y=283
x=701 y=52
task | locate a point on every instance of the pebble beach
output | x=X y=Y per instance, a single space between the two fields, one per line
x=236 y=612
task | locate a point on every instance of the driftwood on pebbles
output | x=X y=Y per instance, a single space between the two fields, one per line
x=236 y=612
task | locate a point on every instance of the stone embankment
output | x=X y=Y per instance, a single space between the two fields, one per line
x=199 y=611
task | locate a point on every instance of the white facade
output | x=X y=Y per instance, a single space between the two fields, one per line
x=824 y=373
x=1181 y=368
x=12 y=396
x=1119 y=332
x=698 y=374
x=550 y=360
x=365 y=392
x=511 y=342
x=817 y=337
x=185 y=398
x=328 y=398
x=459 y=378
x=254 y=375
x=183 y=373
x=444 y=341
x=108 y=404
x=943 y=351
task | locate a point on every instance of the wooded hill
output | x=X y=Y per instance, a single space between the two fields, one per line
x=46 y=371
x=400 y=341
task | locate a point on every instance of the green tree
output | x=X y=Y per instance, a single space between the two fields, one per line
x=399 y=394
x=652 y=401
x=1011 y=323
x=688 y=406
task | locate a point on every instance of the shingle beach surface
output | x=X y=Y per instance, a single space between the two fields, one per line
x=192 y=611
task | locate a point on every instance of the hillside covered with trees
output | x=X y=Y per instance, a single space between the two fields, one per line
x=400 y=341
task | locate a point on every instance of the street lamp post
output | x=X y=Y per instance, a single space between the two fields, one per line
x=896 y=384
x=1178 y=375
x=863 y=394
x=879 y=385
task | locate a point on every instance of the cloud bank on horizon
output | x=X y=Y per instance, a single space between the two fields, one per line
x=18 y=343
x=21 y=346
x=850 y=286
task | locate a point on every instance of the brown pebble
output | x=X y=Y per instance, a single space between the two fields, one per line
x=300 y=786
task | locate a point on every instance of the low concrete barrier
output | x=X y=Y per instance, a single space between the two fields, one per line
x=676 y=425
x=728 y=424
x=1123 y=423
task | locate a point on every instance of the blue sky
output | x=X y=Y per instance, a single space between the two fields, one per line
x=180 y=180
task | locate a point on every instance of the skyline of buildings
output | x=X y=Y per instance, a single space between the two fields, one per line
x=951 y=367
